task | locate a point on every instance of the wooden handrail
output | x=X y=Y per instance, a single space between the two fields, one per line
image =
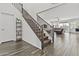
x=32 y=18
x=21 y=6
x=29 y=18
x=42 y=41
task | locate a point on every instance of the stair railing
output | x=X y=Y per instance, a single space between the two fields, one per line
x=27 y=16
x=37 y=24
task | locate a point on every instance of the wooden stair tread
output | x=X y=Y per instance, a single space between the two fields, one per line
x=46 y=41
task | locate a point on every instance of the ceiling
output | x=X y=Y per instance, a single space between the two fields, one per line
x=63 y=12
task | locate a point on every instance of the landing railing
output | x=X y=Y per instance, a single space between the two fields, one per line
x=50 y=27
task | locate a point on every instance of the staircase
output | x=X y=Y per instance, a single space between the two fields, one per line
x=37 y=29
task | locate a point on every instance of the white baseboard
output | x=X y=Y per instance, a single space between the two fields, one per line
x=7 y=41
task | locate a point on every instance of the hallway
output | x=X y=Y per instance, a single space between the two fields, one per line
x=65 y=44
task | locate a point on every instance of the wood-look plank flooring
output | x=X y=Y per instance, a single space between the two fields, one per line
x=66 y=44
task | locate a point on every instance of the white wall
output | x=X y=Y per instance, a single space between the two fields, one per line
x=27 y=34
x=65 y=11
x=7 y=23
x=34 y=8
